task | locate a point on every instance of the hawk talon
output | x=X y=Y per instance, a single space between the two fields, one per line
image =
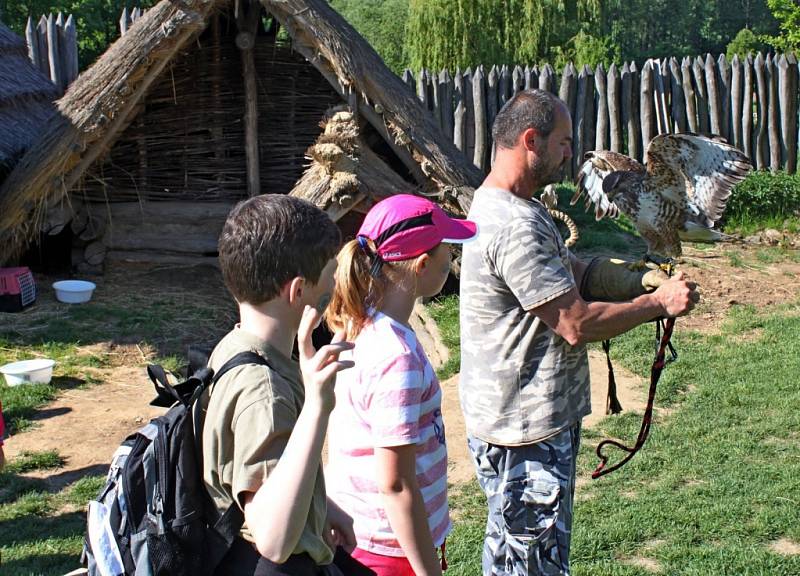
x=667 y=265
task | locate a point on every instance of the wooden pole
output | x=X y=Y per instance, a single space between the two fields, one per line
x=33 y=42
x=762 y=94
x=517 y=80
x=547 y=79
x=246 y=41
x=701 y=94
x=469 y=151
x=460 y=114
x=492 y=95
x=422 y=89
x=71 y=50
x=614 y=117
x=408 y=78
x=44 y=52
x=713 y=96
x=568 y=94
x=481 y=126
x=52 y=51
x=504 y=87
x=436 y=105
x=630 y=109
x=590 y=124
x=736 y=102
x=790 y=130
x=492 y=98
x=601 y=126
x=748 y=88
x=124 y=20
x=660 y=99
x=647 y=104
x=724 y=76
x=445 y=98
x=773 y=126
x=578 y=138
x=689 y=96
x=677 y=97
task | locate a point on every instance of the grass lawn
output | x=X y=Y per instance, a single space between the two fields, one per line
x=136 y=321
x=716 y=489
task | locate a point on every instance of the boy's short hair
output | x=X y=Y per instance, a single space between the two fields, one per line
x=268 y=240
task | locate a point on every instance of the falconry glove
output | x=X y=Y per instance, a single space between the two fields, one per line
x=613 y=280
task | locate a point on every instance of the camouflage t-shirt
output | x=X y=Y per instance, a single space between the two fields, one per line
x=520 y=381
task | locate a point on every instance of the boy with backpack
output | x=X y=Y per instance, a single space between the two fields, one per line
x=263 y=426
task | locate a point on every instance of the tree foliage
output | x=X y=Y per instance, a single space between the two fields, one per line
x=97 y=21
x=467 y=32
x=744 y=43
x=450 y=33
x=382 y=23
x=787 y=13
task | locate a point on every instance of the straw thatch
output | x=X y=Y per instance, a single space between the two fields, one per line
x=345 y=174
x=95 y=109
x=26 y=100
x=374 y=91
x=188 y=139
x=104 y=118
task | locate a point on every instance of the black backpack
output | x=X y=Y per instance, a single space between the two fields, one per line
x=153 y=516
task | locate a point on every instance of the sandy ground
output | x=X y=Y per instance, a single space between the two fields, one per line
x=86 y=425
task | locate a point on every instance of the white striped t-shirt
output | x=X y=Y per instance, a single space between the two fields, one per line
x=390 y=398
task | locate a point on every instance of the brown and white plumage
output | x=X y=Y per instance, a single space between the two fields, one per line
x=679 y=194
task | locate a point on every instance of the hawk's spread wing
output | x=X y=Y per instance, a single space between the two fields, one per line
x=597 y=166
x=695 y=172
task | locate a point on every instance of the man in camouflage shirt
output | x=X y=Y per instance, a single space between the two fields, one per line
x=524 y=383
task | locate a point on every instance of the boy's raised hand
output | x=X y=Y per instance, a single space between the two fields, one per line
x=319 y=367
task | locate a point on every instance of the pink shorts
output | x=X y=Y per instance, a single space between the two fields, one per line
x=383 y=565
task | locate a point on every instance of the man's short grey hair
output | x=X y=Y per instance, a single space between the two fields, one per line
x=527 y=109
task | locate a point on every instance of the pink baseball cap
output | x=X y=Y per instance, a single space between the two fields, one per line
x=404 y=226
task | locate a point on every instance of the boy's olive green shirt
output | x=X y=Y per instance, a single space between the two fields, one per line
x=249 y=417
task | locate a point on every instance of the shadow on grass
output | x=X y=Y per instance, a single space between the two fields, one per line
x=40 y=564
x=21 y=404
x=29 y=529
x=14 y=485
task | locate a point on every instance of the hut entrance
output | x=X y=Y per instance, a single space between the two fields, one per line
x=162 y=192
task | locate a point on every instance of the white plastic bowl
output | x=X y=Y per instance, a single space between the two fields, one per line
x=35 y=371
x=73 y=291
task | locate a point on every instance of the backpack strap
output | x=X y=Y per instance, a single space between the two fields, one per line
x=226 y=526
x=241 y=359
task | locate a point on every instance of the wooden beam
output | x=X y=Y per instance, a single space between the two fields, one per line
x=247 y=24
x=95 y=109
x=340 y=53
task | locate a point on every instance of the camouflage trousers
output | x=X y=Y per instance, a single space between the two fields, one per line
x=530 y=490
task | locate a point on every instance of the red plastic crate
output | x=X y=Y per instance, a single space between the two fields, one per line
x=17 y=289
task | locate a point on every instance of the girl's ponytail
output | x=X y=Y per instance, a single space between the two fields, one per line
x=356 y=290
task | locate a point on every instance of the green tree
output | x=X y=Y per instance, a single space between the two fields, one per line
x=382 y=23
x=787 y=13
x=450 y=33
x=96 y=20
x=744 y=43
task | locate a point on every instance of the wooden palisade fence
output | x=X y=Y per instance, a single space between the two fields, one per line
x=53 y=48
x=53 y=45
x=612 y=109
x=616 y=109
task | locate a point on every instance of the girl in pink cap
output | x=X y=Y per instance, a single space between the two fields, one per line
x=387 y=463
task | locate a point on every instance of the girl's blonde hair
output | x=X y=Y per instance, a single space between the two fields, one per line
x=357 y=290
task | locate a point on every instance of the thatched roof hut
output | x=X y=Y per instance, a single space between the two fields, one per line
x=200 y=104
x=26 y=100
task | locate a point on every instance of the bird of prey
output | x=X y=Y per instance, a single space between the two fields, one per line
x=679 y=194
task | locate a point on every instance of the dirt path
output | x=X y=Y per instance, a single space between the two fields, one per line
x=86 y=425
